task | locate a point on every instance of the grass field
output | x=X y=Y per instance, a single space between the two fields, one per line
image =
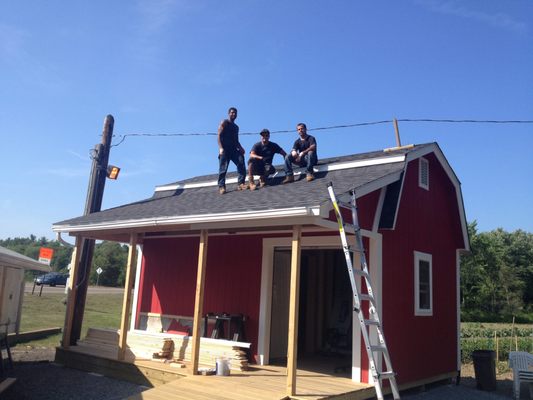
x=48 y=311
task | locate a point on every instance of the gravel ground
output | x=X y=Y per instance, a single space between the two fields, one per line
x=39 y=378
x=50 y=381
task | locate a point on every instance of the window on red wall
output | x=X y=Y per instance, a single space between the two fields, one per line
x=423 y=284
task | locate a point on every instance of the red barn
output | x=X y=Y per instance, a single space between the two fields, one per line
x=414 y=228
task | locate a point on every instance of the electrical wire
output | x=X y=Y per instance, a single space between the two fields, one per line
x=360 y=124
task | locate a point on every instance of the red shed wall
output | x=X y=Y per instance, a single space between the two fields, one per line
x=429 y=222
x=232 y=283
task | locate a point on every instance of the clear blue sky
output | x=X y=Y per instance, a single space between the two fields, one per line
x=175 y=66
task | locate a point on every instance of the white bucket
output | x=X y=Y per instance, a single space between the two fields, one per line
x=222 y=367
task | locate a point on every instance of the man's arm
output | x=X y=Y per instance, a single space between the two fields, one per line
x=220 y=129
x=312 y=147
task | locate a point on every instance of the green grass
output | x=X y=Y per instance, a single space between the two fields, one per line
x=48 y=311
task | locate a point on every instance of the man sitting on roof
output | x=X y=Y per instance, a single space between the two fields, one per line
x=260 y=162
x=303 y=154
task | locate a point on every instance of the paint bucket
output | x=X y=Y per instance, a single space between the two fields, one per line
x=222 y=367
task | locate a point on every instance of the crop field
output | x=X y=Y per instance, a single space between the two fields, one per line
x=500 y=337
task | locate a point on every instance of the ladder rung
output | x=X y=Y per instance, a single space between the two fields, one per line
x=360 y=272
x=365 y=296
x=371 y=322
x=386 y=375
x=378 y=348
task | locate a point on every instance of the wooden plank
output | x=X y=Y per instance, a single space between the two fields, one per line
x=72 y=292
x=292 y=350
x=199 y=300
x=126 y=303
x=6 y=383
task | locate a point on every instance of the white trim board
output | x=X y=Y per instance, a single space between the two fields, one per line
x=298 y=171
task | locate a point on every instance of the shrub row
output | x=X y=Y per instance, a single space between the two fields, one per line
x=504 y=331
x=468 y=345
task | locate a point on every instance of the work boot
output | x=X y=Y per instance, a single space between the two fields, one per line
x=310 y=177
x=242 y=186
x=262 y=181
x=288 y=179
x=222 y=190
x=251 y=183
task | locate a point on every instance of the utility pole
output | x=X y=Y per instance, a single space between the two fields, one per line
x=95 y=193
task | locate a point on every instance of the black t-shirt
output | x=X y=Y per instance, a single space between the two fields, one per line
x=266 y=151
x=303 y=144
x=229 y=137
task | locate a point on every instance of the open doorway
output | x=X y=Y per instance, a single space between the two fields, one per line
x=325 y=311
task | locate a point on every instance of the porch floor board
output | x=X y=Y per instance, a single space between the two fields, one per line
x=314 y=379
x=260 y=383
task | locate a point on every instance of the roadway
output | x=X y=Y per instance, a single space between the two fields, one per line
x=61 y=289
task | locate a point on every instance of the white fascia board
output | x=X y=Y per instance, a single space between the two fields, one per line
x=298 y=171
x=362 y=191
x=435 y=149
x=193 y=219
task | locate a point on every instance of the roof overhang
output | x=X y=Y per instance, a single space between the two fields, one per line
x=276 y=217
x=10 y=258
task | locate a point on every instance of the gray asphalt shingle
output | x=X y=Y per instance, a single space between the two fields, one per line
x=206 y=200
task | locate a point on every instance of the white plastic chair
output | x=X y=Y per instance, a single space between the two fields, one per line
x=522 y=364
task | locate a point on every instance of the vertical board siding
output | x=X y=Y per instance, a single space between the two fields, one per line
x=428 y=221
x=233 y=277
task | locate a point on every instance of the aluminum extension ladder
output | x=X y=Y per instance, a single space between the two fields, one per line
x=374 y=350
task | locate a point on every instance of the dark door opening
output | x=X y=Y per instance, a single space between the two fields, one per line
x=325 y=307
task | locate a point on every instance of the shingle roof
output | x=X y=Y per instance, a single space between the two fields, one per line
x=205 y=200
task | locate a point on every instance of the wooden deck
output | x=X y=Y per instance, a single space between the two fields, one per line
x=262 y=383
x=259 y=383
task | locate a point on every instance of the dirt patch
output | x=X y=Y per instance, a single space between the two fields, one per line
x=504 y=378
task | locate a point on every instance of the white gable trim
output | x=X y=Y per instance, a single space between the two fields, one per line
x=318 y=168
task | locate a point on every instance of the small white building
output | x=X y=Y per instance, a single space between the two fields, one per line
x=12 y=267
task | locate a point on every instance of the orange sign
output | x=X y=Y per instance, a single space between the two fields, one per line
x=45 y=255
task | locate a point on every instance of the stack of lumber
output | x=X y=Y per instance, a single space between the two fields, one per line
x=141 y=344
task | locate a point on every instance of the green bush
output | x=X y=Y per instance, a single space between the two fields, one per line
x=468 y=345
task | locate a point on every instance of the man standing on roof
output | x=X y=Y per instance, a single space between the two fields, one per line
x=229 y=149
x=260 y=162
x=303 y=154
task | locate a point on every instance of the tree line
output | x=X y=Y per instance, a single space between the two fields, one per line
x=111 y=257
x=496 y=277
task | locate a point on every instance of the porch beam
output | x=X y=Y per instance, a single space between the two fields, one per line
x=71 y=292
x=292 y=350
x=126 y=301
x=199 y=301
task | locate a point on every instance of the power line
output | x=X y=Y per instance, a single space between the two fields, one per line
x=323 y=128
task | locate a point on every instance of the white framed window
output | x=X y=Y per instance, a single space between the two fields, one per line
x=423 y=284
x=423 y=173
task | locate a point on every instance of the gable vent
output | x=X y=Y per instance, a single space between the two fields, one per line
x=423 y=173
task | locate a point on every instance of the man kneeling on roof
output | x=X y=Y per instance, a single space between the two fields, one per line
x=303 y=154
x=260 y=162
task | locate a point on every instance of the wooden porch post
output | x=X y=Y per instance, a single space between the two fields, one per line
x=199 y=301
x=71 y=292
x=126 y=302
x=292 y=350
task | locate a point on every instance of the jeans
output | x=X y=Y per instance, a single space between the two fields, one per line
x=223 y=162
x=309 y=160
x=258 y=167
